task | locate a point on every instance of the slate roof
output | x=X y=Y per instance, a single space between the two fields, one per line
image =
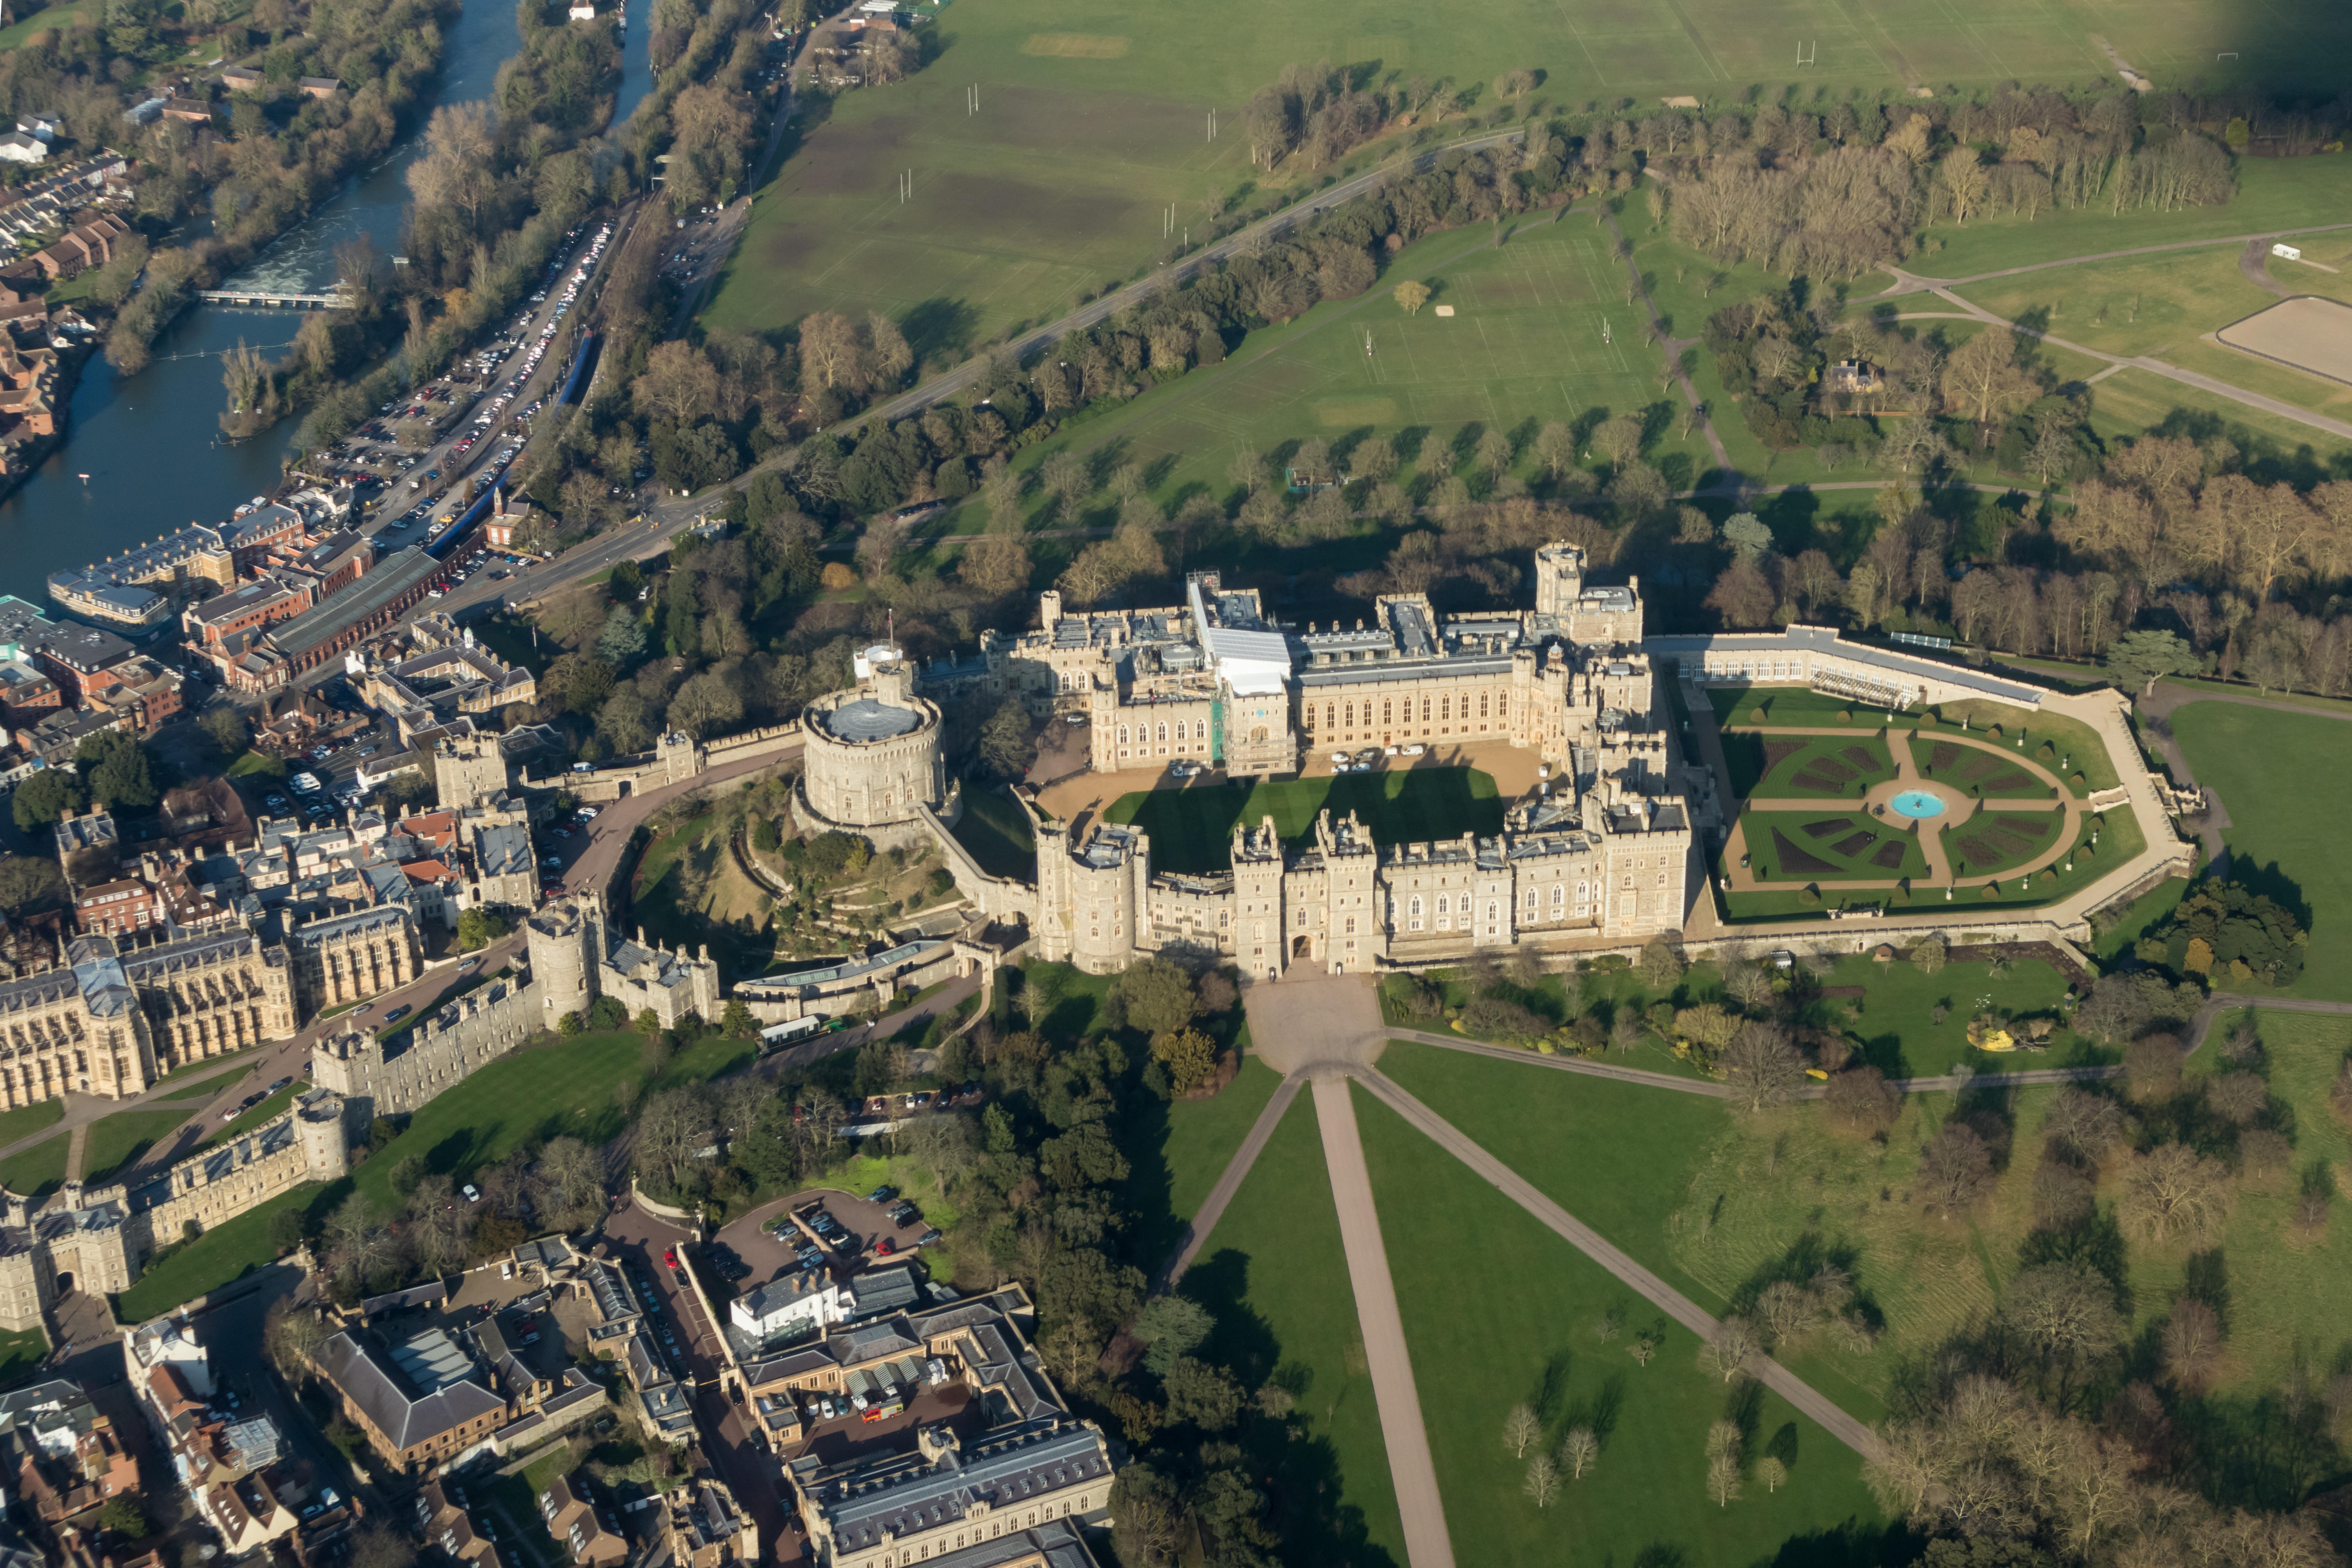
x=412 y=1392
x=905 y=1493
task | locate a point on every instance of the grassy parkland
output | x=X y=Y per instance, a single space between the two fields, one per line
x=1191 y=828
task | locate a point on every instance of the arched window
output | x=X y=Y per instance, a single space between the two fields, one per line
x=1424 y=709
x=1583 y=891
x=1348 y=715
x=1445 y=707
x=1482 y=705
x=1494 y=910
x=1532 y=896
x=1163 y=730
x=1384 y=710
x=1330 y=715
x=1558 y=894
x=1199 y=728
x=1122 y=734
x=1416 y=906
x=1443 y=903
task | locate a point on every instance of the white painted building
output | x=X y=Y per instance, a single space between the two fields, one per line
x=801 y=1302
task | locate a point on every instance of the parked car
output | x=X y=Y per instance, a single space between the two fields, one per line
x=281 y=1083
x=882 y=1194
x=1416 y=749
x=469 y=964
x=930 y=1238
x=397 y=1014
x=473 y=1194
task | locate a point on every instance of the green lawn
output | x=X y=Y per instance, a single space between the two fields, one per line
x=228 y=1252
x=571 y=1088
x=996 y=831
x=27 y=1119
x=37 y=1172
x=1500 y=1311
x=2281 y=1287
x=1276 y=1275
x=21 y=1352
x=2138 y=305
x=116 y=1140
x=1176 y=1152
x=2135 y=400
x=203 y=1088
x=260 y=1113
x=255 y=765
x=2078 y=745
x=2261 y=764
x=2272 y=193
x=1719 y=1204
x=2150 y=909
x=1191 y=828
x=1523 y=348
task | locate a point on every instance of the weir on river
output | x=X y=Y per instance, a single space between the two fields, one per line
x=150 y=444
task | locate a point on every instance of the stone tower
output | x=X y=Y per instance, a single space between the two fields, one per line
x=1259 y=920
x=325 y=1147
x=467 y=769
x=563 y=962
x=1560 y=578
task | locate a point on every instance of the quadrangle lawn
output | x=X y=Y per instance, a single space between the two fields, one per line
x=1276 y=1275
x=2261 y=764
x=1191 y=828
x=1499 y=1311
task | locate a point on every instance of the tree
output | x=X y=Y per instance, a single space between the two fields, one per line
x=1723 y=1479
x=1727 y=1350
x=225 y=728
x=1190 y=1057
x=1619 y=440
x=2064 y=1311
x=706 y=704
x=1982 y=376
x=1761 y=1066
x=1171 y=1326
x=1955 y=1170
x=2172 y=1190
x=1862 y=1098
x=1411 y=296
x=1543 y=1479
x=1155 y=995
x=1520 y=1427
x=1772 y=1472
x=29 y=883
x=285 y=1231
x=2152 y=1066
x=123 y=1516
x=478 y=927
x=1929 y=957
x=1660 y=964
x=1748 y=536
x=1146 y=1517
x=2193 y=1344
x=1204 y=1395
x=1742 y=597
x=1008 y=740
x=673 y=1125
x=2088 y=1124
x=2137 y=661
x=46 y=797
x=1577 y=1451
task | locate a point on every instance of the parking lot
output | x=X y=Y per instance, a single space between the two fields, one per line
x=766 y=1255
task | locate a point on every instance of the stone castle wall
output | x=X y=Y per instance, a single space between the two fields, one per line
x=490 y=1023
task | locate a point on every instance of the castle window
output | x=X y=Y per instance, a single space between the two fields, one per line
x=1122 y=734
x=1482 y=705
x=1416 y=906
x=1384 y=710
x=1531 y=901
x=1199 y=728
x=1445 y=707
x=1558 y=894
x=1424 y=709
x=1330 y=712
x=1444 y=904
x=1163 y=731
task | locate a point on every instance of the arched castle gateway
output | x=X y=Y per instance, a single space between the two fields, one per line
x=872 y=760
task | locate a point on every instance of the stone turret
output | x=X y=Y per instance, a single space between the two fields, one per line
x=320 y=1124
x=563 y=941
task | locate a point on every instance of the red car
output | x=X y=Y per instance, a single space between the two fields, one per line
x=671 y=1257
x=885 y=1247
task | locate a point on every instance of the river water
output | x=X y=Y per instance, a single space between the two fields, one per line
x=149 y=445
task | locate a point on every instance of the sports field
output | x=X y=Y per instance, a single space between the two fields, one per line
x=1090 y=125
x=1192 y=829
x=2145 y=304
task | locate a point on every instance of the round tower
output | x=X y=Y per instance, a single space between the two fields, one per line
x=871 y=757
x=556 y=939
x=320 y=1124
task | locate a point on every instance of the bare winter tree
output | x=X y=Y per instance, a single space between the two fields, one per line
x=1955 y=1170
x=1727 y=1351
x=2193 y=1344
x=1761 y=1066
x=1520 y=1428
x=1543 y=1479
x=1862 y=1098
x=1577 y=1451
x=2172 y=1190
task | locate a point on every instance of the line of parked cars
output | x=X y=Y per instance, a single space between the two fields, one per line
x=1370 y=757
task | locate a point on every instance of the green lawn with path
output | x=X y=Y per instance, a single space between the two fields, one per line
x=247 y=1122
x=2133 y=401
x=116 y=1140
x=2262 y=765
x=1499 y=1311
x=222 y=1255
x=1977 y=770
x=20 y=1352
x=26 y=1119
x=1176 y=1152
x=37 y=1172
x=1276 y=1275
x=1191 y=828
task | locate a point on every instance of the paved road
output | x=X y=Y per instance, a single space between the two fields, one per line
x=1585 y=1239
x=1911 y=282
x=1411 y=1469
x=1236 y=1171
x=2222 y=1002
